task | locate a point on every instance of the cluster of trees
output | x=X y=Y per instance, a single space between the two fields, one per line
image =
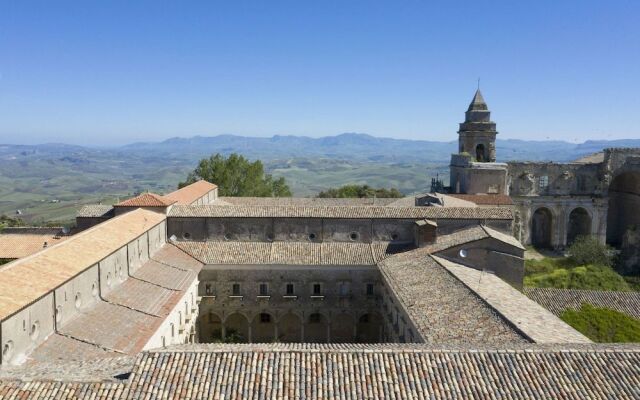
x=360 y=191
x=6 y=221
x=237 y=176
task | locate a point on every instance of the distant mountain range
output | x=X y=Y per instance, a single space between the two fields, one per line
x=49 y=182
x=363 y=147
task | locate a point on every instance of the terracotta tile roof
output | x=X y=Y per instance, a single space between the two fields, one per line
x=559 y=300
x=532 y=320
x=123 y=321
x=387 y=374
x=22 y=242
x=95 y=211
x=441 y=307
x=146 y=200
x=485 y=199
x=28 y=279
x=190 y=193
x=299 y=253
x=369 y=212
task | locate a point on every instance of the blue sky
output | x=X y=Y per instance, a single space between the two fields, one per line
x=112 y=72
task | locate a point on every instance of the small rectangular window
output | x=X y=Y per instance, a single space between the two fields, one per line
x=344 y=288
x=544 y=182
x=264 y=289
x=317 y=289
x=265 y=318
x=369 y=289
x=235 y=289
x=208 y=289
x=290 y=290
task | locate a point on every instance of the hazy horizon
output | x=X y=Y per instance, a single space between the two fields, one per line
x=118 y=72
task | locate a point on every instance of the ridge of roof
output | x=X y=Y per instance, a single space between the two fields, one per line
x=146 y=200
x=190 y=193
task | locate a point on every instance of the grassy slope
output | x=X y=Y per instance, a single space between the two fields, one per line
x=562 y=273
x=603 y=325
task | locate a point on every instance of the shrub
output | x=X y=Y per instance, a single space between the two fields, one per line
x=588 y=250
x=603 y=325
x=586 y=277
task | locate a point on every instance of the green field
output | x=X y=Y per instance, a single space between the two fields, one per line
x=49 y=186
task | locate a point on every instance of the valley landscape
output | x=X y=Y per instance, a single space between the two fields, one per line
x=47 y=183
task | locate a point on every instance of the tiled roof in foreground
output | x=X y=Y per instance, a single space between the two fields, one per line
x=361 y=372
x=370 y=212
x=559 y=300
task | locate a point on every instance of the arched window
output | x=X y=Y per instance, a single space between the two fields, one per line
x=480 y=156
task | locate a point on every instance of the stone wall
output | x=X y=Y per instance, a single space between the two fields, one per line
x=340 y=309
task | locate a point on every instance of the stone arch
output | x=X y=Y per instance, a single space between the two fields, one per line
x=342 y=328
x=541 y=228
x=236 y=328
x=369 y=328
x=624 y=203
x=579 y=224
x=209 y=327
x=290 y=328
x=263 y=328
x=316 y=328
x=481 y=153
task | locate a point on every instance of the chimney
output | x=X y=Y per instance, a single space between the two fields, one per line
x=425 y=232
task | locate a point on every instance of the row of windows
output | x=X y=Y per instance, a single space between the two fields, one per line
x=581 y=182
x=316 y=289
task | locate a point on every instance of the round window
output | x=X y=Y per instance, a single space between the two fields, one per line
x=35 y=330
x=394 y=236
x=6 y=349
x=270 y=237
x=227 y=236
x=353 y=236
x=312 y=236
x=463 y=253
x=186 y=235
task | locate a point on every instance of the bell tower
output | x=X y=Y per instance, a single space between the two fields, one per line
x=477 y=134
x=474 y=170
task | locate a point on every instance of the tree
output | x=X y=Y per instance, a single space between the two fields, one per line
x=589 y=250
x=237 y=176
x=360 y=191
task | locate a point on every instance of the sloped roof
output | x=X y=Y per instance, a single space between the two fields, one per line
x=287 y=253
x=441 y=307
x=559 y=300
x=478 y=103
x=369 y=212
x=95 y=211
x=27 y=280
x=22 y=242
x=537 y=323
x=146 y=200
x=190 y=193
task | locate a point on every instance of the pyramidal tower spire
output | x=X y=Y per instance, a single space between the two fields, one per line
x=477 y=134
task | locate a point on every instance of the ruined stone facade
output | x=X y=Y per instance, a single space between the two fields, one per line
x=554 y=203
